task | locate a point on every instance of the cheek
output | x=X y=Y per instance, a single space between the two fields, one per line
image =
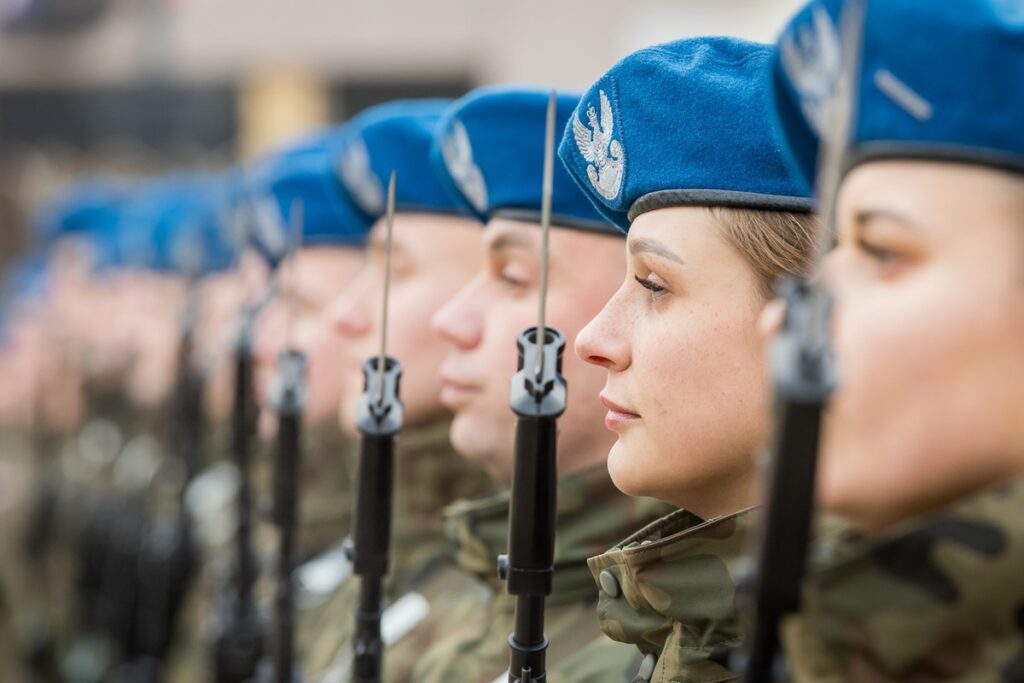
x=914 y=358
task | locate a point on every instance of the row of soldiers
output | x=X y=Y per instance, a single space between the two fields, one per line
x=315 y=417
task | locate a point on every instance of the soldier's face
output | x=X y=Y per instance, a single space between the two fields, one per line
x=220 y=296
x=928 y=326
x=308 y=284
x=148 y=321
x=685 y=391
x=432 y=256
x=481 y=324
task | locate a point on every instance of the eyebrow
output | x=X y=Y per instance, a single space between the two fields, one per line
x=649 y=246
x=509 y=240
x=863 y=217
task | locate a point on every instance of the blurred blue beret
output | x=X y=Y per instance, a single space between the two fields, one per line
x=681 y=124
x=395 y=136
x=305 y=172
x=175 y=223
x=489 y=151
x=936 y=80
x=88 y=208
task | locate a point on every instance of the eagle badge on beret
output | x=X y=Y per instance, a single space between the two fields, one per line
x=604 y=155
x=458 y=157
x=813 y=62
x=360 y=179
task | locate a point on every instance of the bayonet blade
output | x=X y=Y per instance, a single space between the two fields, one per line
x=390 y=224
x=547 y=190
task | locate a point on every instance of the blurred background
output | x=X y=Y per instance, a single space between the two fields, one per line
x=141 y=86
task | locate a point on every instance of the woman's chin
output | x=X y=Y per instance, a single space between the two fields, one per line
x=628 y=475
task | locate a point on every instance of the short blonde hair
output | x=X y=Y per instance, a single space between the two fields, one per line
x=775 y=244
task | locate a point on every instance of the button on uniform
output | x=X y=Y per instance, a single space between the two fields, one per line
x=609 y=584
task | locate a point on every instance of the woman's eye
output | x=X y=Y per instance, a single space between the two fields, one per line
x=881 y=256
x=655 y=289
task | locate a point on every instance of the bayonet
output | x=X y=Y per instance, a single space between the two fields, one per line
x=537 y=396
x=379 y=420
x=803 y=371
x=288 y=397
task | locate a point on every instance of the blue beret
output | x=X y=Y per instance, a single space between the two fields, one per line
x=175 y=224
x=680 y=124
x=394 y=137
x=306 y=172
x=88 y=208
x=489 y=150
x=936 y=80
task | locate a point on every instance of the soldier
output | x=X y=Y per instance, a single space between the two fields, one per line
x=490 y=147
x=714 y=218
x=435 y=250
x=328 y=254
x=923 y=437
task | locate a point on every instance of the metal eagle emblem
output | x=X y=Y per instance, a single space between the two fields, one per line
x=605 y=156
x=360 y=180
x=458 y=158
x=813 y=61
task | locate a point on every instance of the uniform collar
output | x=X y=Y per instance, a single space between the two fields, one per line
x=675 y=582
x=591 y=513
x=428 y=476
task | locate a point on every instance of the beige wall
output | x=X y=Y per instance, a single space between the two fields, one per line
x=564 y=43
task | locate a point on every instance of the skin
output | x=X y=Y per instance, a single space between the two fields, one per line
x=928 y=323
x=314 y=279
x=221 y=296
x=686 y=390
x=149 y=322
x=433 y=255
x=482 y=322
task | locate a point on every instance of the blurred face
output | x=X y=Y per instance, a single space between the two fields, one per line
x=221 y=296
x=148 y=321
x=929 y=320
x=481 y=324
x=432 y=256
x=685 y=390
x=314 y=278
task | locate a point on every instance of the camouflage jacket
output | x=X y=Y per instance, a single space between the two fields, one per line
x=591 y=514
x=937 y=600
x=670 y=589
x=428 y=476
x=325 y=501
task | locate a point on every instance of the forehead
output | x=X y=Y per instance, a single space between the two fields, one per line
x=934 y=190
x=500 y=233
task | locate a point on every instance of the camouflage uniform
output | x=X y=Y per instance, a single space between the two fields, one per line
x=591 y=514
x=428 y=475
x=670 y=590
x=937 y=600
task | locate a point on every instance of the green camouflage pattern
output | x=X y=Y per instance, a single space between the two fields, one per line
x=941 y=599
x=591 y=514
x=326 y=502
x=674 y=587
x=428 y=476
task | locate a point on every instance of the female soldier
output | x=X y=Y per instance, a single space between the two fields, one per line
x=713 y=219
x=923 y=441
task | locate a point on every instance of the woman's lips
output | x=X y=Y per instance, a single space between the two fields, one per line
x=456 y=394
x=617 y=415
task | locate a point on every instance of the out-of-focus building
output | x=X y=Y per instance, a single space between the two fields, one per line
x=141 y=85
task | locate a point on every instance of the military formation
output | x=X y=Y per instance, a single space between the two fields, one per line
x=710 y=372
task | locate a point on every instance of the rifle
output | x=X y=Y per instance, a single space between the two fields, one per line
x=242 y=633
x=803 y=371
x=379 y=419
x=167 y=556
x=538 y=398
x=289 y=400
